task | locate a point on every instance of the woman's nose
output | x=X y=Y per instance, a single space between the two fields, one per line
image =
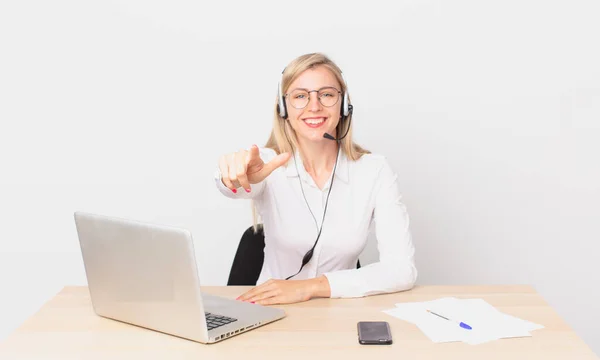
x=313 y=102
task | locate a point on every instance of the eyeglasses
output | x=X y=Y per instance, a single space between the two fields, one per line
x=328 y=96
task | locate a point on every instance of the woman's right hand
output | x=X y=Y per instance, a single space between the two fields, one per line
x=242 y=168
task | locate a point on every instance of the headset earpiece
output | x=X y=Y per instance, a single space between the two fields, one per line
x=281 y=105
x=346 y=107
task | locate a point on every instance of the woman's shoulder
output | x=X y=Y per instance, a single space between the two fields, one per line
x=373 y=163
x=372 y=160
x=373 y=169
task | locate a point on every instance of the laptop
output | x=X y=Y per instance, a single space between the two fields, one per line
x=145 y=275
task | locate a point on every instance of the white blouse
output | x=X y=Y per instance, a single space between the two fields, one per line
x=364 y=192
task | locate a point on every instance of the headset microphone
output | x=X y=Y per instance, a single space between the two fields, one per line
x=330 y=137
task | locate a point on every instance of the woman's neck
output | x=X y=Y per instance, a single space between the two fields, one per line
x=319 y=158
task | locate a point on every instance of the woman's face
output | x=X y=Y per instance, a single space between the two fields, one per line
x=314 y=119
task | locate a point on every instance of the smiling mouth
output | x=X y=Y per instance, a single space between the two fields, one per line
x=314 y=122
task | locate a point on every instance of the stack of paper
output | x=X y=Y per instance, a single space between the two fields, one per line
x=486 y=322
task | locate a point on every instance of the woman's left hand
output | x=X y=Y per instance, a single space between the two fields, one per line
x=286 y=291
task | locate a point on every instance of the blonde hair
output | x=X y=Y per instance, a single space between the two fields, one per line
x=283 y=137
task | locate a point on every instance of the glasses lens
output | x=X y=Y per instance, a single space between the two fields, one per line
x=299 y=98
x=328 y=96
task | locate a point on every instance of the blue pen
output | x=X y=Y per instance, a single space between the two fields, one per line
x=462 y=324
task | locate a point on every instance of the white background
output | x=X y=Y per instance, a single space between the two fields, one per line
x=489 y=111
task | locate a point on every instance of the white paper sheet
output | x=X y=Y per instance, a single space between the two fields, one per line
x=487 y=322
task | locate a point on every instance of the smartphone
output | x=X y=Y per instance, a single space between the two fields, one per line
x=374 y=333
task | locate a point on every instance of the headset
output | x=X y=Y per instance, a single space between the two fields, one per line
x=346 y=110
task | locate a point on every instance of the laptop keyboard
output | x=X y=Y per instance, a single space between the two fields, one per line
x=214 y=321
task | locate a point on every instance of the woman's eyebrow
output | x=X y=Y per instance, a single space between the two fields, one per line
x=298 y=89
x=322 y=87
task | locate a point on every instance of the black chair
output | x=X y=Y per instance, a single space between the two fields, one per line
x=249 y=258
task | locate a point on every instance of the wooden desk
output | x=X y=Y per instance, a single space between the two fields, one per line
x=67 y=328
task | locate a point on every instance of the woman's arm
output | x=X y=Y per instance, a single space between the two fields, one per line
x=396 y=269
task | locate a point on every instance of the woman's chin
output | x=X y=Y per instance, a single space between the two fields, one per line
x=315 y=137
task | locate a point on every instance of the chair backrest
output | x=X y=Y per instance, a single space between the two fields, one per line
x=249 y=258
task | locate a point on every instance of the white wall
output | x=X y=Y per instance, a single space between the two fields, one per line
x=488 y=110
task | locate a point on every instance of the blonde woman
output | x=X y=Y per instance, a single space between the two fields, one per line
x=318 y=194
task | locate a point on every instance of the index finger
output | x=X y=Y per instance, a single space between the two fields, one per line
x=241 y=171
x=253 y=154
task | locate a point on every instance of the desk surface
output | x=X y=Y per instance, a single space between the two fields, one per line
x=67 y=328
